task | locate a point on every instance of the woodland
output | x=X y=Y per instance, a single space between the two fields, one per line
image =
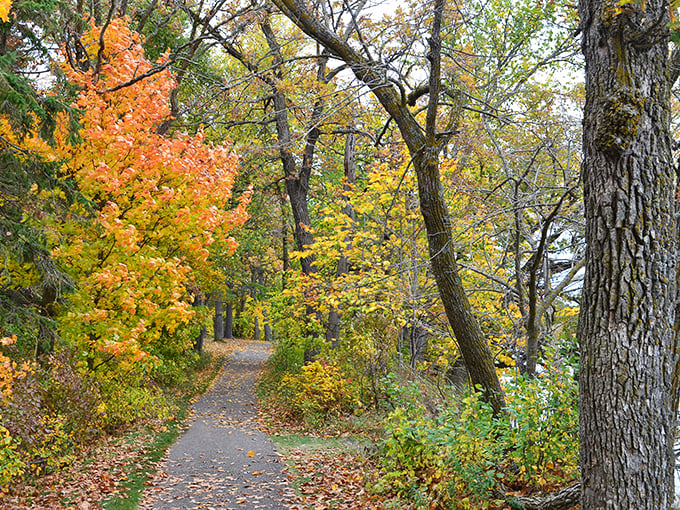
x=455 y=222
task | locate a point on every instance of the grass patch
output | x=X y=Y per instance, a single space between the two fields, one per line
x=136 y=475
x=289 y=442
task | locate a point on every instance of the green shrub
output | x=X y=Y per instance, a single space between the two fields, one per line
x=11 y=463
x=125 y=404
x=286 y=361
x=446 y=461
x=542 y=435
x=456 y=458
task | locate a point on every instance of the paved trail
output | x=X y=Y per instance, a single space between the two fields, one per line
x=222 y=461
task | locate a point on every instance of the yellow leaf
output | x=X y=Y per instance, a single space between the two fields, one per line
x=4 y=10
x=251 y=453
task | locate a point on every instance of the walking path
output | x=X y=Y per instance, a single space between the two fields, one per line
x=222 y=461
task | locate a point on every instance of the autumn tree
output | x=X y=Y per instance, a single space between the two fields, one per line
x=150 y=220
x=424 y=144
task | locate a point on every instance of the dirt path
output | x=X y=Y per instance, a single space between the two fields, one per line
x=222 y=461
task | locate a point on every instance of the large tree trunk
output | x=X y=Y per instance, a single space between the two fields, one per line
x=628 y=309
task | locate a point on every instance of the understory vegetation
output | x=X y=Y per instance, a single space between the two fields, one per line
x=434 y=445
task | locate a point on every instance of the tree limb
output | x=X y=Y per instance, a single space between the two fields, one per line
x=563 y=500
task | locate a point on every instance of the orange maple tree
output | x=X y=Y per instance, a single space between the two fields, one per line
x=154 y=207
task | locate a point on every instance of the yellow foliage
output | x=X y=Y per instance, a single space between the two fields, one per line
x=10 y=371
x=321 y=389
x=11 y=464
x=5 y=6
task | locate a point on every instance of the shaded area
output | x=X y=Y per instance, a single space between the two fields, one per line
x=222 y=461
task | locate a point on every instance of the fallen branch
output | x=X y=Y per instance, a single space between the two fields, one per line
x=563 y=500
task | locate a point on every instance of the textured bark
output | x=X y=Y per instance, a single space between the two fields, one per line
x=424 y=148
x=565 y=499
x=218 y=318
x=229 y=321
x=628 y=310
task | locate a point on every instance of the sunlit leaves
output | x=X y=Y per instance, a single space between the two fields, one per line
x=10 y=371
x=157 y=206
x=5 y=6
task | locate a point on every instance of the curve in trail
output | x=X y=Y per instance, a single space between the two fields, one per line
x=222 y=461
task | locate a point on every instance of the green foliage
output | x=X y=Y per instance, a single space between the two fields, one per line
x=312 y=392
x=287 y=360
x=456 y=457
x=441 y=461
x=125 y=404
x=11 y=464
x=56 y=445
x=543 y=414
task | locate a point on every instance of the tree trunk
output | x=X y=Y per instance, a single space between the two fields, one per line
x=471 y=341
x=628 y=310
x=198 y=342
x=268 y=337
x=229 y=321
x=218 y=318
x=237 y=324
x=333 y=329
x=424 y=146
x=297 y=178
x=256 y=329
x=285 y=257
x=417 y=344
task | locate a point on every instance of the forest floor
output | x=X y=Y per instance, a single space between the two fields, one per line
x=224 y=458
